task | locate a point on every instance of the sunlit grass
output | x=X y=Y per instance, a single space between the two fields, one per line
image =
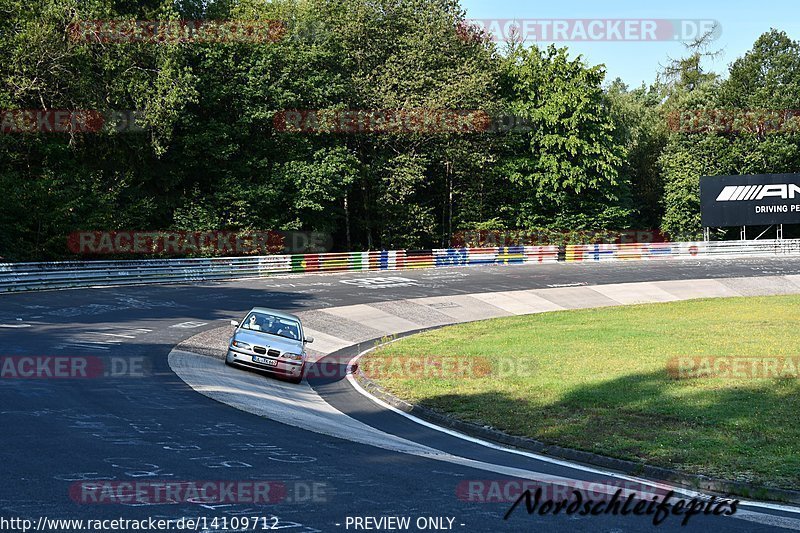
x=597 y=380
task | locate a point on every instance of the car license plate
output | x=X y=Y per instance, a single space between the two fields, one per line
x=264 y=361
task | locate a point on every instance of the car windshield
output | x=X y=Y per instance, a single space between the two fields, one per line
x=272 y=325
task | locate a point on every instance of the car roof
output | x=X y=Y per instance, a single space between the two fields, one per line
x=274 y=312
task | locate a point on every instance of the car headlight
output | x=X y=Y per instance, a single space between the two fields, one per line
x=292 y=356
x=241 y=345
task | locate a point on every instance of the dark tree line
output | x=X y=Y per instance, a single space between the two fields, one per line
x=592 y=154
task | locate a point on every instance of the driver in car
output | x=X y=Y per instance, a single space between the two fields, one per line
x=253 y=323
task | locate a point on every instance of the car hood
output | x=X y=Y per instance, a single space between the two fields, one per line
x=269 y=341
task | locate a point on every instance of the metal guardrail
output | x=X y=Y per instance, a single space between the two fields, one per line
x=71 y=274
x=667 y=250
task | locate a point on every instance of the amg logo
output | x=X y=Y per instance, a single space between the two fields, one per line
x=733 y=193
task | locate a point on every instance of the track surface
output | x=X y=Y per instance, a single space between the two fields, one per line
x=57 y=432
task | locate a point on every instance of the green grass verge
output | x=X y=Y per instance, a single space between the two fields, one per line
x=597 y=380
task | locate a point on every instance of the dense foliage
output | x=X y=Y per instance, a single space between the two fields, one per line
x=590 y=154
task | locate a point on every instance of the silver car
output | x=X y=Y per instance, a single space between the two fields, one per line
x=269 y=340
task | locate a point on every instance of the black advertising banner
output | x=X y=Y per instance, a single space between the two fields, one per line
x=755 y=200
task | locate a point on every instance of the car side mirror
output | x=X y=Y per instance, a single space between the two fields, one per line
x=308 y=340
x=234 y=323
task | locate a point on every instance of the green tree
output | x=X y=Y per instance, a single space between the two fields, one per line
x=765 y=79
x=565 y=172
x=642 y=130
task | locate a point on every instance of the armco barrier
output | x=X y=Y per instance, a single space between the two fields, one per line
x=666 y=250
x=60 y=275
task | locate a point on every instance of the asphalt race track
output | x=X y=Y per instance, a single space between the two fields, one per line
x=59 y=432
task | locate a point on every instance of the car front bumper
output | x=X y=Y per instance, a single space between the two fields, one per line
x=282 y=366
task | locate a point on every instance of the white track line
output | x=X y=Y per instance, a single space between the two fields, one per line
x=680 y=490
